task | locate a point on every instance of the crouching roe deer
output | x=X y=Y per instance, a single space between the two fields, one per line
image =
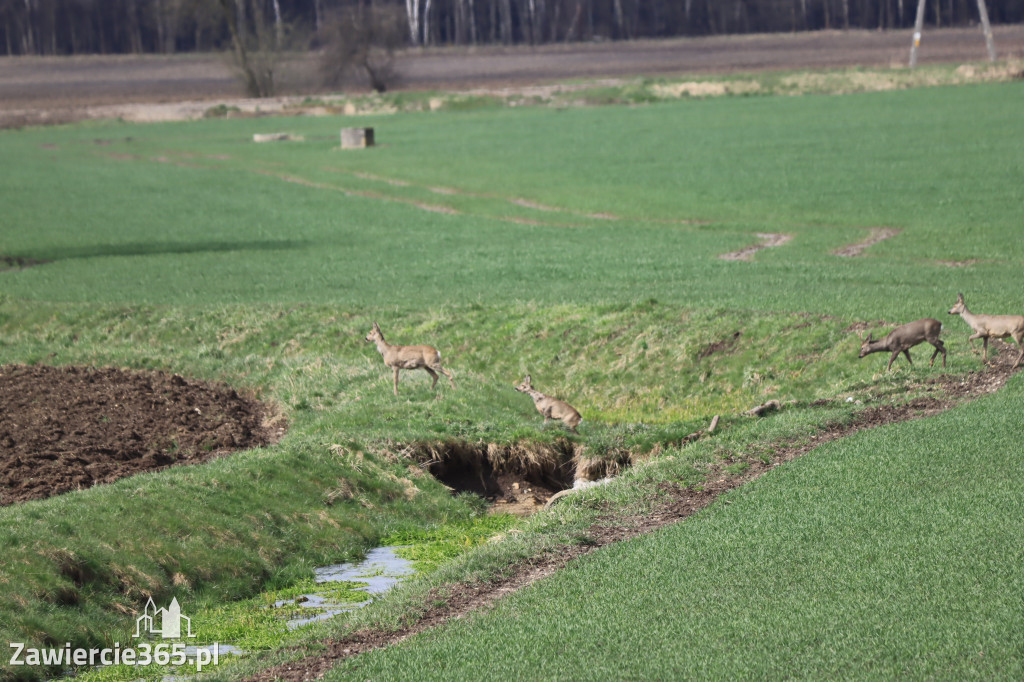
x=551 y=408
x=991 y=326
x=409 y=357
x=902 y=339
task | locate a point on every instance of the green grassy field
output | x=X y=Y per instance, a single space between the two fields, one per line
x=892 y=554
x=581 y=245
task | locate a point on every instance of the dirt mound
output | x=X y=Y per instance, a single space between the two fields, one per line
x=68 y=428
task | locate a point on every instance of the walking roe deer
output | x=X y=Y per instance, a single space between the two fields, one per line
x=902 y=339
x=409 y=357
x=551 y=408
x=991 y=326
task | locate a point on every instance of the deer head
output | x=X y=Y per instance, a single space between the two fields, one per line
x=375 y=334
x=526 y=386
x=865 y=345
x=959 y=306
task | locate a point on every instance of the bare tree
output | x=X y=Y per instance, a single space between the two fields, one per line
x=362 y=40
x=254 y=58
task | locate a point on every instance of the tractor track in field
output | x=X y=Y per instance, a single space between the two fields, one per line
x=768 y=240
x=875 y=235
x=672 y=502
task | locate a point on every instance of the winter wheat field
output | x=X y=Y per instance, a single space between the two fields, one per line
x=688 y=241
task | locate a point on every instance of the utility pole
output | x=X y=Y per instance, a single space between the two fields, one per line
x=919 y=26
x=987 y=29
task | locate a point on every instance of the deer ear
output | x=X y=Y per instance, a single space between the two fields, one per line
x=527 y=380
x=871 y=337
x=960 y=297
x=376 y=326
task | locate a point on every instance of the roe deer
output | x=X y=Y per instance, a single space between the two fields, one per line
x=991 y=326
x=902 y=339
x=551 y=408
x=409 y=357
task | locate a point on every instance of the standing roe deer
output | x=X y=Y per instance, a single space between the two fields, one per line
x=991 y=326
x=902 y=339
x=409 y=357
x=551 y=408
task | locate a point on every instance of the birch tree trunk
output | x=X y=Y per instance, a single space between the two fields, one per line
x=240 y=21
x=278 y=25
x=412 y=13
x=28 y=42
x=426 y=22
x=987 y=30
x=506 y=21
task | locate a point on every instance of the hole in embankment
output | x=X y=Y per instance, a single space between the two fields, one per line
x=518 y=478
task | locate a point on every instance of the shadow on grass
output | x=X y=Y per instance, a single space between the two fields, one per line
x=151 y=249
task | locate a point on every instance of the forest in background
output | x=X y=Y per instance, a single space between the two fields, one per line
x=69 y=27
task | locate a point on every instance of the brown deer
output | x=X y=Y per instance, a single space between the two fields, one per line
x=991 y=326
x=551 y=408
x=902 y=339
x=409 y=357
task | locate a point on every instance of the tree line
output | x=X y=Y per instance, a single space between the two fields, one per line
x=67 y=27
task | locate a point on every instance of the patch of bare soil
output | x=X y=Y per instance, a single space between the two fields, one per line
x=958 y=263
x=674 y=502
x=69 y=428
x=722 y=346
x=768 y=240
x=875 y=235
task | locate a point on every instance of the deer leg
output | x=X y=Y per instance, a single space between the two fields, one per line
x=433 y=375
x=396 y=381
x=906 y=352
x=1020 y=342
x=448 y=374
x=892 y=357
x=939 y=348
x=984 y=353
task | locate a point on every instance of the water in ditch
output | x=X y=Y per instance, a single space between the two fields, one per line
x=381 y=570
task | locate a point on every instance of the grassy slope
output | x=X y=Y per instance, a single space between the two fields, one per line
x=197 y=269
x=890 y=554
